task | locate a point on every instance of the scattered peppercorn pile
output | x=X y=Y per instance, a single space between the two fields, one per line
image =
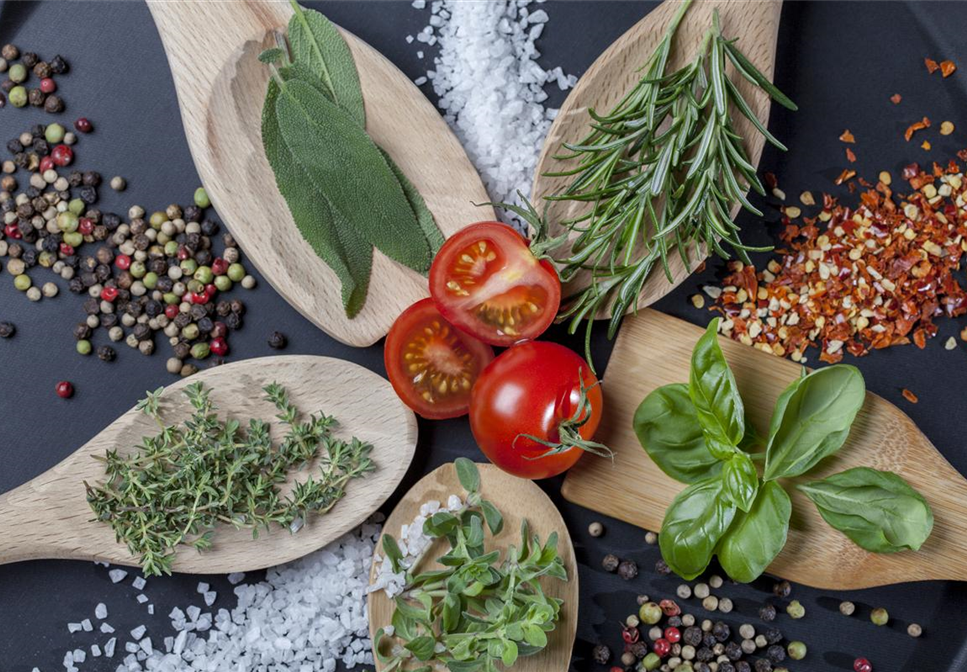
x=17 y=83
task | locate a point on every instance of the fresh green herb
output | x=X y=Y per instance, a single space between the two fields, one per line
x=660 y=170
x=698 y=434
x=345 y=193
x=878 y=510
x=476 y=612
x=180 y=484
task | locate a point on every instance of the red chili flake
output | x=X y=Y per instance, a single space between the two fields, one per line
x=847 y=137
x=910 y=396
x=896 y=98
x=850 y=156
x=846 y=175
x=925 y=145
x=947 y=68
x=916 y=126
x=932 y=65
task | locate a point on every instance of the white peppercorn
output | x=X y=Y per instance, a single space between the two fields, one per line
x=725 y=605
x=50 y=289
x=118 y=183
x=93 y=322
x=34 y=294
x=847 y=608
x=688 y=652
x=135 y=212
x=146 y=347
x=70 y=138
x=128 y=320
x=761 y=641
x=173 y=365
x=684 y=591
x=248 y=282
x=231 y=256
x=746 y=631
x=131 y=341
x=706 y=625
x=914 y=630
x=748 y=646
x=715 y=581
x=650 y=537
x=595 y=529
x=710 y=603
x=701 y=590
x=655 y=633
x=688 y=620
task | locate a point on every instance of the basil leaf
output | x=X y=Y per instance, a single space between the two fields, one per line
x=756 y=537
x=692 y=527
x=712 y=388
x=316 y=42
x=336 y=242
x=467 y=474
x=878 y=510
x=812 y=419
x=347 y=167
x=740 y=481
x=667 y=428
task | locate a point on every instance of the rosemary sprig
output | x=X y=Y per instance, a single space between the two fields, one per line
x=660 y=170
x=181 y=483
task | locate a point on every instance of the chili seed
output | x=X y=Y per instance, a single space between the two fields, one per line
x=880 y=616
x=595 y=529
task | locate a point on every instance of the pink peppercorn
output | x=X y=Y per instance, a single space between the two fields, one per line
x=219 y=348
x=62 y=155
x=862 y=665
x=46 y=163
x=662 y=647
x=48 y=85
x=64 y=390
x=123 y=262
x=83 y=125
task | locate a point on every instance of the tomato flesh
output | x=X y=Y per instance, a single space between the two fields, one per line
x=486 y=282
x=431 y=365
x=531 y=389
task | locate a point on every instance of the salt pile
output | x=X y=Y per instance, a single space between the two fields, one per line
x=491 y=87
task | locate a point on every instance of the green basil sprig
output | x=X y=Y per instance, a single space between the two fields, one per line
x=698 y=434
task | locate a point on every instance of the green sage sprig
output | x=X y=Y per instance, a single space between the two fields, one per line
x=477 y=612
x=661 y=170
x=698 y=434
x=179 y=485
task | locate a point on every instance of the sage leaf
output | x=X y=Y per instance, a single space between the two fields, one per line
x=346 y=166
x=694 y=522
x=812 y=419
x=495 y=521
x=467 y=474
x=877 y=510
x=755 y=537
x=316 y=42
x=740 y=481
x=422 y=213
x=667 y=427
x=715 y=394
x=336 y=242
x=422 y=646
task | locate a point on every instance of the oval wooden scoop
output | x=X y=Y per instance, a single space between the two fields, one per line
x=49 y=517
x=517 y=499
x=655 y=349
x=213 y=50
x=755 y=23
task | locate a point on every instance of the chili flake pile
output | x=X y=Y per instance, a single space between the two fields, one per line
x=855 y=280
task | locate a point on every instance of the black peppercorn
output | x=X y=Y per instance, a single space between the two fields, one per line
x=91 y=306
x=767 y=613
x=238 y=307
x=75 y=285
x=277 y=340
x=661 y=567
x=733 y=651
x=721 y=631
x=601 y=654
x=627 y=570
x=165 y=284
x=182 y=320
x=53 y=104
x=782 y=589
x=233 y=322
x=102 y=273
x=91 y=178
x=610 y=562
x=88 y=195
x=205 y=325
x=776 y=654
x=109 y=320
x=158 y=265
x=192 y=214
x=674 y=621
x=692 y=635
x=773 y=635
x=153 y=308
x=141 y=331
x=708 y=639
x=703 y=667
x=14 y=146
x=639 y=649
x=763 y=665
x=726 y=666
x=106 y=353
x=41 y=147
x=704 y=654
x=209 y=228
x=82 y=331
x=181 y=350
x=30 y=59
x=203 y=257
x=223 y=308
x=36 y=97
x=743 y=666
x=7 y=329
x=42 y=70
x=29 y=257
x=58 y=65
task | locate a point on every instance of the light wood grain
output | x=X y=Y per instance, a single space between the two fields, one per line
x=754 y=22
x=48 y=517
x=212 y=48
x=517 y=499
x=655 y=349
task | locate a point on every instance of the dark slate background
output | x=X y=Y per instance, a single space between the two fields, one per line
x=841 y=61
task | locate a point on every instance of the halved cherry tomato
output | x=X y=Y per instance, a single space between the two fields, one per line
x=541 y=390
x=486 y=281
x=431 y=365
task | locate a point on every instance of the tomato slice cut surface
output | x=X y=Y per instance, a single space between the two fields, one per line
x=431 y=365
x=486 y=281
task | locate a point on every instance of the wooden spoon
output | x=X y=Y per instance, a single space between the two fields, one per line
x=756 y=25
x=655 y=349
x=212 y=49
x=517 y=499
x=48 y=517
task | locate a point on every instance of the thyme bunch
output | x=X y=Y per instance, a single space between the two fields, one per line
x=660 y=170
x=183 y=482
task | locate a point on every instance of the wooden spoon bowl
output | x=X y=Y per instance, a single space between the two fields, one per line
x=756 y=25
x=49 y=517
x=517 y=499
x=220 y=91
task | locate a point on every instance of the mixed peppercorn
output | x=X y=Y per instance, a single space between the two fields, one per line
x=17 y=86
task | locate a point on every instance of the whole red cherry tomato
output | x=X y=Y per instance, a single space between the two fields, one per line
x=536 y=390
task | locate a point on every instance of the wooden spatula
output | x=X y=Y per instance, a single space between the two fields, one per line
x=654 y=349
x=517 y=499
x=48 y=517
x=755 y=23
x=212 y=49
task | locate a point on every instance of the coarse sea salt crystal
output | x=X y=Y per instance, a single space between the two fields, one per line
x=138 y=632
x=236 y=578
x=106 y=628
x=86 y=625
x=117 y=575
x=73 y=627
x=142 y=598
x=95 y=651
x=100 y=611
x=109 y=647
x=210 y=597
x=139 y=583
x=202 y=587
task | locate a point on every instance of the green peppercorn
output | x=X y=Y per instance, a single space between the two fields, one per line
x=84 y=347
x=150 y=280
x=18 y=96
x=54 y=133
x=190 y=333
x=171 y=248
x=74 y=238
x=157 y=219
x=651 y=662
x=204 y=274
x=200 y=350
x=201 y=198
x=880 y=616
x=236 y=272
x=67 y=221
x=188 y=266
x=137 y=269
x=195 y=286
x=17 y=73
x=795 y=609
x=649 y=613
x=22 y=282
x=796 y=650
x=171 y=299
x=77 y=206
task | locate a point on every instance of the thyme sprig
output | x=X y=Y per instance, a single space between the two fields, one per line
x=476 y=612
x=181 y=483
x=660 y=170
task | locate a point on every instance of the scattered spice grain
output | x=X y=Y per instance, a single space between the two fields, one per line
x=910 y=396
x=947 y=68
x=896 y=98
x=932 y=65
x=846 y=136
x=946 y=127
x=916 y=126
